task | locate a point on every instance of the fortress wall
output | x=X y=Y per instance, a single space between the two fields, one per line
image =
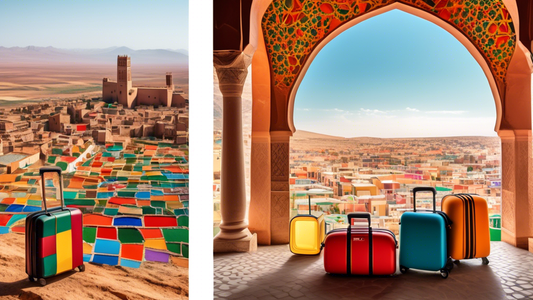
x=178 y=101
x=153 y=96
x=109 y=91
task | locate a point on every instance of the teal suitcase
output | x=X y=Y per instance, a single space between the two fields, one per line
x=423 y=238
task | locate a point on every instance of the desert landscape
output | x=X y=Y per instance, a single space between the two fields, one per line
x=36 y=75
x=33 y=74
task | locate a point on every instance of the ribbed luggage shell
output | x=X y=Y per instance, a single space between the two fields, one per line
x=470 y=234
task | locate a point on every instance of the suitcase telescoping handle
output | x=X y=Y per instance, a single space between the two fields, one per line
x=425 y=189
x=309 y=196
x=45 y=170
x=359 y=215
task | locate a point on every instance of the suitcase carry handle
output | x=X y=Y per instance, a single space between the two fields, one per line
x=425 y=189
x=359 y=215
x=43 y=171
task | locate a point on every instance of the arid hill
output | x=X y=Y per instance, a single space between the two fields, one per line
x=150 y=281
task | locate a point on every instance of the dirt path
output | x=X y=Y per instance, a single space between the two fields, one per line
x=150 y=281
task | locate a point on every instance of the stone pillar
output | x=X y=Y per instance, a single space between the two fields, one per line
x=234 y=236
x=517 y=187
x=260 y=210
x=280 y=195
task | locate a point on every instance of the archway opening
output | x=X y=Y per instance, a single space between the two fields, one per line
x=422 y=112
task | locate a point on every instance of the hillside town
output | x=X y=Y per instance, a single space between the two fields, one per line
x=378 y=175
x=125 y=168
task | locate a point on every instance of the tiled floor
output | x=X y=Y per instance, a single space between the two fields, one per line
x=275 y=273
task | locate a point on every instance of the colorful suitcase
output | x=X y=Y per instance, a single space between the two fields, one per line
x=54 y=242
x=369 y=252
x=307 y=233
x=470 y=234
x=423 y=238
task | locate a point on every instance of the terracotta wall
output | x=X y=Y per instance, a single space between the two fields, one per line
x=155 y=97
x=109 y=91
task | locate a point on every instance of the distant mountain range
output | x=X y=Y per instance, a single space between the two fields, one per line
x=51 y=55
x=305 y=135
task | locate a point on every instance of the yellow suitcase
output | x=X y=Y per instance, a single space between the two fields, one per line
x=307 y=232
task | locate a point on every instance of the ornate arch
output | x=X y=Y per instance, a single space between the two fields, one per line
x=293 y=28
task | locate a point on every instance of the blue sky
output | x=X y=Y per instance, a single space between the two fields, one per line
x=161 y=24
x=395 y=75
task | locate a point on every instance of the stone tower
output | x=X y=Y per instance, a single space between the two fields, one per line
x=124 y=84
x=170 y=84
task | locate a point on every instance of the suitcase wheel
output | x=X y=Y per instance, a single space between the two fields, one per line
x=449 y=265
x=32 y=279
x=81 y=268
x=485 y=260
x=403 y=269
x=444 y=273
x=42 y=281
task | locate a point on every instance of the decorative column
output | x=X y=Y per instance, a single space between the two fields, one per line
x=517 y=186
x=280 y=195
x=232 y=68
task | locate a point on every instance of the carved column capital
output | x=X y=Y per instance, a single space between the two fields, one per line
x=232 y=68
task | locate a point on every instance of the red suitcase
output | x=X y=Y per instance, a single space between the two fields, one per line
x=369 y=252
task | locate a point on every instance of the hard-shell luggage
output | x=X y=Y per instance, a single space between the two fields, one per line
x=54 y=242
x=307 y=233
x=370 y=251
x=470 y=234
x=423 y=238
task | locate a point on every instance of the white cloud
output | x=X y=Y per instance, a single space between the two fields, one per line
x=446 y=112
x=373 y=111
x=412 y=109
x=387 y=126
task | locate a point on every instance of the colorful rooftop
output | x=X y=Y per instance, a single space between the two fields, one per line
x=135 y=200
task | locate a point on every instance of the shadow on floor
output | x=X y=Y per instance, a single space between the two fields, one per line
x=275 y=273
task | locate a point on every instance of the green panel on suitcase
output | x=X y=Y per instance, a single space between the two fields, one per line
x=50 y=265
x=48 y=225
x=63 y=221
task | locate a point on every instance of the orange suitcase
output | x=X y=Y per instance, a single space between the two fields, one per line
x=469 y=236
